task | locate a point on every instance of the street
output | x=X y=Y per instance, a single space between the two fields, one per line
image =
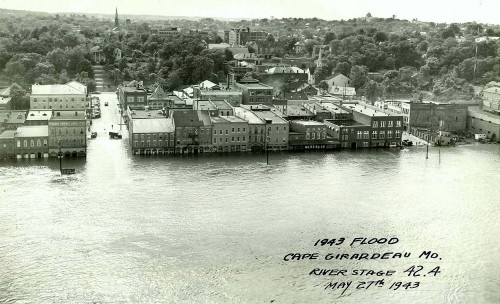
x=110 y=117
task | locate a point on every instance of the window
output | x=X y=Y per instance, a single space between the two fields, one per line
x=38 y=143
x=381 y=135
x=220 y=139
x=398 y=134
x=360 y=134
x=366 y=135
x=220 y=132
x=398 y=124
x=154 y=143
x=135 y=143
x=382 y=124
x=72 y=99
x=365 y=144
x=375 y=124
x=389 y=124
x=226 y=139
x=18 y=143
x=389 y=134
x=238 y=139
x=140 y=99
x=313 y=135
x=45 y=142
x=215 y=132
x=25 y=143
x=34 y=100
x=232 y=130
x=243 y=129
x=227 y=131
x=215 y=140
x=345 y=137
x=232 y=139
x=374 y=134
x=238 y=130
x=130 y=99
x=243 y=139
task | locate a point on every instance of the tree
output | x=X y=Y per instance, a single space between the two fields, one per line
x=358 y=76
x=323 y=86
x=19 y=99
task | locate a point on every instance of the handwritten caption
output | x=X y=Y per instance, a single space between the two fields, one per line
x=408 y=277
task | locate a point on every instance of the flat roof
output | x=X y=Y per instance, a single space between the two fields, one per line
x=248 y=115
x=155 y=125
x=32 y=131
x=333 y=108
x=68 y=115
x=143 y=114
x=308 y=122
x=347 y=123
x=477 y=112
x=294 y=110
x=255 y=85
x=270 y=115
x=367 y=110
x=55 y=89
x=222 y=104
x=234 y=119
x=205 y=105
x=39 y=115
x=220 y=92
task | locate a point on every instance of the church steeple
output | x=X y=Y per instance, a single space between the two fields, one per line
x=116 y=18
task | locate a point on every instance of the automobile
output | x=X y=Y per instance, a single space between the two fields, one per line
x=407 y=143
x=96 y=92
x=106 y=104
x=93 y=135
x=114 y=135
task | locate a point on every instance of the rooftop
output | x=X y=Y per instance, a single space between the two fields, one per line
x=493 y=90
x=7 y=134
x=186 y=118
x=221 y=104
x=368 y=110
x=257 y=85
x=4 y=100
x=333 y=108
x=346 y=123
x=68 y=115
x=234 y=119
x=271 y=116
x=158 y=94
x=145 y=114
x=247 y=115
x=154 y=125
x=55 y=89
x=32 y=131
x=308 y=122
x=39 y=115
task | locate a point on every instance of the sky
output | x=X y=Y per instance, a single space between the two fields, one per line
x=483 y=11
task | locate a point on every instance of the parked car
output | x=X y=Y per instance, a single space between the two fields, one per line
x=407 y=143
x=93 y=135
x=106 y=104
x=114 y=135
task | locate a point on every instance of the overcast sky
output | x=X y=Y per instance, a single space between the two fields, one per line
x=484 y=11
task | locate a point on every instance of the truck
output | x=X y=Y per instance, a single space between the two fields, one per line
x=479 y=136
x=114 y=135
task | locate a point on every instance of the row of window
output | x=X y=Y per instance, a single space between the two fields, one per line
x=32 y=143
x=317 y=135
x=238 y=130
x=148 y=143
x=375 y=135
x=148 y=136
x=130 y=99
x=55 y=100
x=232 y=139
x=389 y=124
x=60 y=107
x=73 y=131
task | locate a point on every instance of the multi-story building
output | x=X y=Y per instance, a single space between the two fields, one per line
x=256 y=128
x=159 y=100
x=7 y=144
x=350 y=133
x=482 y=122
x=192 y=131
x=240 y=36
x=254 y=92
x=38 y=118
x=11 y=120
x=214 y=107
x=132 y=95
x=491 y=100
x=434 y=116
x=58 y=97
x=386 y=128
x=309 y=135
x=164 y=31
x=32 y=142
x=277 y=128
x=230 y=134
x=152 y=136
x=67 y=130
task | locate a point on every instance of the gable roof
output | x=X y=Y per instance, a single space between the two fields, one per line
x=158 y=94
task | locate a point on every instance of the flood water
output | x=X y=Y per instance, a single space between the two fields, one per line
x=216 y=228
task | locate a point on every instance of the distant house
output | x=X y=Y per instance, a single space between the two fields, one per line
x=5 y=103
x=338 y=80
x=342 y=91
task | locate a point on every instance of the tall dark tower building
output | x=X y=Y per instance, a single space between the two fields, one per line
x=116 y=18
